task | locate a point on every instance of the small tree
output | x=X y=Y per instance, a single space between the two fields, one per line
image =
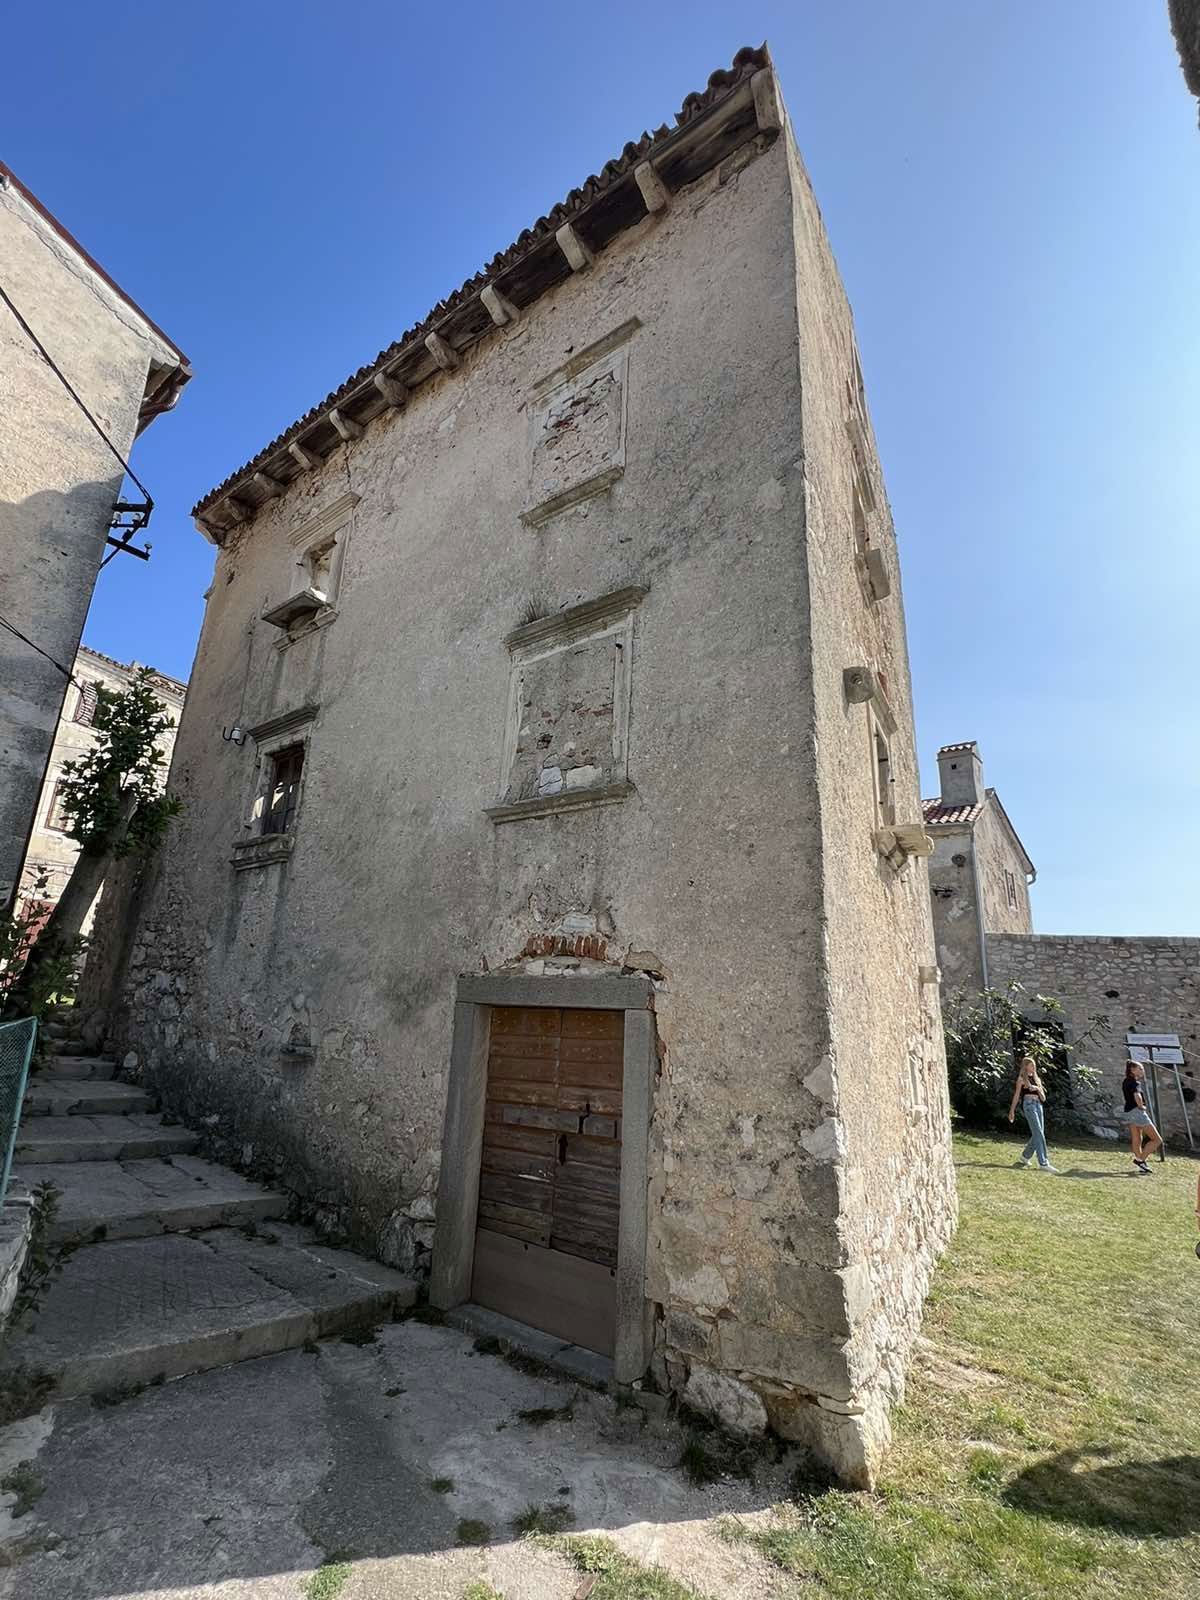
x=114 y=804
x=986 y=1033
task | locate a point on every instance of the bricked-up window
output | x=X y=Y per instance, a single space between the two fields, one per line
x=283 y=789
x=1010 y=888
x=85 y=705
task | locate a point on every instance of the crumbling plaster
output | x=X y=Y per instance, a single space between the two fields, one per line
x=304 y=1011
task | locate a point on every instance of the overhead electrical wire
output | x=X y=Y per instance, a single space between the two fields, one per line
x=24 y=638
x=67 y=385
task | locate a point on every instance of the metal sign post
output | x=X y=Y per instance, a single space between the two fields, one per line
x=1161 y=1052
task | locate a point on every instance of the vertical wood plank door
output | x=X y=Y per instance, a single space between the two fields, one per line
x=550 y=1173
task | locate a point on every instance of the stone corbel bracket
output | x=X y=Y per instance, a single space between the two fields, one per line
x=864 y=687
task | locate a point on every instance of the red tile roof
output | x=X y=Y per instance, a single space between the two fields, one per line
x=936 y=812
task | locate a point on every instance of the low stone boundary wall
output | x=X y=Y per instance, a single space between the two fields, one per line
x=1141 y=985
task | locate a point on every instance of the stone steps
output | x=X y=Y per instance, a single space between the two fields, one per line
x=77 y=1067
x=135 y=1199
x=141 y=1310
x=99 y=1138
x=62 y=1097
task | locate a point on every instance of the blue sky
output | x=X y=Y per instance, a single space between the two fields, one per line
x=1013 y=192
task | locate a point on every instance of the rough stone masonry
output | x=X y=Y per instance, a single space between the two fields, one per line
x=561 y=661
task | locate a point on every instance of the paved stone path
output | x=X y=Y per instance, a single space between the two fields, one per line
x=173 y=1274
x=238 y=1484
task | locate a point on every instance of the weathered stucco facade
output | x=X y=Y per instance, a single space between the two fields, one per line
x=59 y=480
x=585 y=627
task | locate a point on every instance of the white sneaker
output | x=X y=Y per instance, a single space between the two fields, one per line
x=1049 y=1168
x=1021 y=1165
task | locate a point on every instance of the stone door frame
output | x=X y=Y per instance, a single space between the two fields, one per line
x=462 y=1139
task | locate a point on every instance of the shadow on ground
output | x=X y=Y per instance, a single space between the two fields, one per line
x=240 y=1482
x=1146 y=1499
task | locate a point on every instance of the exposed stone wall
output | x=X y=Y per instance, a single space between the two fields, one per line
x=58 y=483
x=1140 y=985
x=300 y=1009
x=880 y=1153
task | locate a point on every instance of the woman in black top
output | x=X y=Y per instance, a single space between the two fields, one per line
x=1144 y=1137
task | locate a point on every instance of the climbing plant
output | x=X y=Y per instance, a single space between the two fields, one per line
x=986 y=1033
x=114 y=803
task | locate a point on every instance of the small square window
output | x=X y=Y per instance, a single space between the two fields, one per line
x=282 y=792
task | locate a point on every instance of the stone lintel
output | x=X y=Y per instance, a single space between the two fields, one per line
x=499 y=307
x=395 y=393
x=236 y=510
x=654 y=190
x=444 y=354
x=579 y=257
x=270 y=486
x=587 y=994
x=303 y=458
x=766 y=101
x=346 y=427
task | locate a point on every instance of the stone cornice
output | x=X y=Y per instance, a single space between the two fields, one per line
x=739 y=105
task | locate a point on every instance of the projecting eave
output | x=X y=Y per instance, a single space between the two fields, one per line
x=739 y=105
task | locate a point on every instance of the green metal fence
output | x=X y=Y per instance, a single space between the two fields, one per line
x=16 y=1050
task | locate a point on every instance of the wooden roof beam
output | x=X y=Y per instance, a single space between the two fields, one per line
x=444 y=354
x=393 y=392
x=499 y=307
x=654 y=191
x=579 y=257
x=346 y=427
x=303 y=458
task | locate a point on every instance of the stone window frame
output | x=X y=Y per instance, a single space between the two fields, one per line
x=253 y=848
x=610 y=615
x=328 y=531
x=453 y=1260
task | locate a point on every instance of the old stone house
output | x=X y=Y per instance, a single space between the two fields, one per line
x=51 y=853
x=549 y=908
x=980 y=877
x=72 y=342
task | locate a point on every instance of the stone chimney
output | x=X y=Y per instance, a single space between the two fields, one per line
x=960 y=773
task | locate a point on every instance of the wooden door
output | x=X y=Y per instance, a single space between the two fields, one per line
x=550 y=1173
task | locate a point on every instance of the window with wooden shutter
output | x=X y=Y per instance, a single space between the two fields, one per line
x=85 y=705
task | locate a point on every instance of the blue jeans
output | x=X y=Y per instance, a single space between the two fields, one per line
x=1035 y=1117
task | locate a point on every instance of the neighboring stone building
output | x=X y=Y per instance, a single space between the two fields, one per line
x=979 y=880
x=52 y=852
x=547 y=909
x=980 y=874
x=59 y=479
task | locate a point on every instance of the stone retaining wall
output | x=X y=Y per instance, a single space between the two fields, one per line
x=1141 y=985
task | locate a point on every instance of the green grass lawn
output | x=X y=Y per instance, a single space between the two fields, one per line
x=1050 y=1442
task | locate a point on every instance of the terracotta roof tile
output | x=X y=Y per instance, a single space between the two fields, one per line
x=936 y=812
